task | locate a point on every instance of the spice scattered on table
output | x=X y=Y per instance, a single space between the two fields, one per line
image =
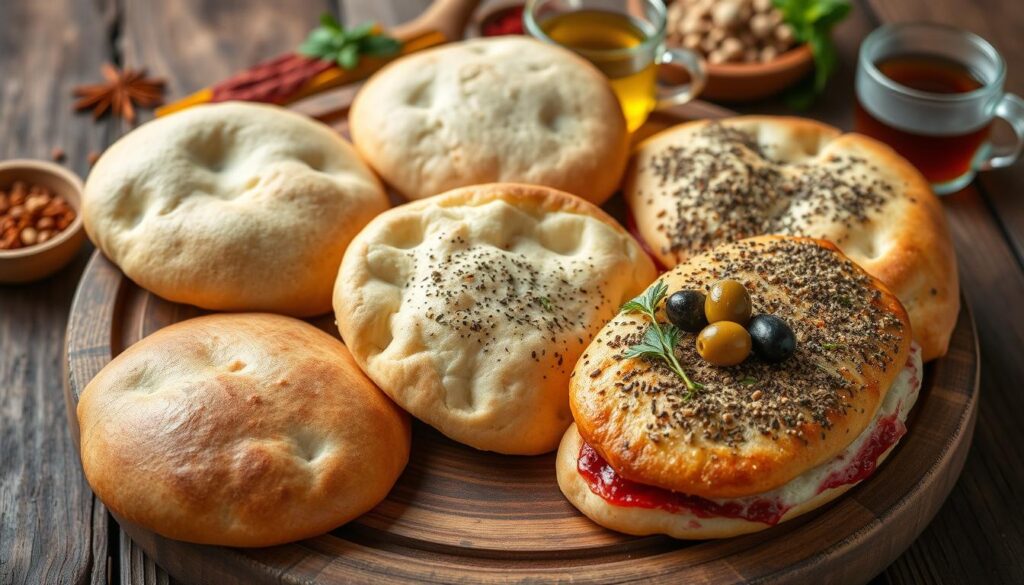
x=121 y=92
x=57 y=154
x=31 y=214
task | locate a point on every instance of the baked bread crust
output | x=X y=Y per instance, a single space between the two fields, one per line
x=507 y=109
x=807 y=180
x=239 y=430
x=470 y=308
x=645 y=521
x=233 y=207
x=755 y=426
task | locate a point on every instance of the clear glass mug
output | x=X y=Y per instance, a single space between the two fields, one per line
x=945 y=135
x=625 y=39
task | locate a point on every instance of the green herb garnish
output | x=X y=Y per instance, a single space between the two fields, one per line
x=832 y=345
x=812 y=22
x=331 y=42
x=546 y=303
x=748 y=381
x=659 y=340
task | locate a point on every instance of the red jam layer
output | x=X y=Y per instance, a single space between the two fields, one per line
x=888 y=430
x=619 y=491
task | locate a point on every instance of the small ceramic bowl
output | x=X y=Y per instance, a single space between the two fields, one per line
x=41 y=260
x=747 y=82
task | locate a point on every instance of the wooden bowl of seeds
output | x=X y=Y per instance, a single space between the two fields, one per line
x=40 y=219
x=750 y=52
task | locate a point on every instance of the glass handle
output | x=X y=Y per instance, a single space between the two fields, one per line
x=1011 y=109
x=680 y=94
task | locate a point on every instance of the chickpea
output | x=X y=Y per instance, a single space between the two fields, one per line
x=717 y=57
x=29 y=236
x=732 y=49
x=768 y=54
x=726 y=14
x=761 y=26
x=763 y=5
x=784 y=33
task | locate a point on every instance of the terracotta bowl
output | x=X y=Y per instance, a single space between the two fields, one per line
x=41 y=260
x=746 y=82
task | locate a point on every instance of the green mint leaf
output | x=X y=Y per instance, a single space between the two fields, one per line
x=330 y=23
x=380 y=46
x=360 y=32
x=348 y=56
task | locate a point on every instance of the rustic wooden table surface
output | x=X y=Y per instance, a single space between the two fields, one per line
x=52 y=530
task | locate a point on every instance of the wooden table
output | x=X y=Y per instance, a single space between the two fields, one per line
x=52 y=530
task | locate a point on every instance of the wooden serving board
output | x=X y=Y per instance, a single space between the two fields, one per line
x=461 y=515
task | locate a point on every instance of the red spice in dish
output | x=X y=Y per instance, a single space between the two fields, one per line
x=619 y=491
x=508 y=21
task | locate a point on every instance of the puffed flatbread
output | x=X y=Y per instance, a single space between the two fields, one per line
x=231 y=207
x=239 y=430
x=470 y=308
x=506 y=109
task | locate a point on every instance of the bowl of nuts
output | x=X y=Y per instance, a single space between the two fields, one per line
x=40 y=219
x=751 y=52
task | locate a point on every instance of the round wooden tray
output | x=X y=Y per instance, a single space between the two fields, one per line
x=461 y=515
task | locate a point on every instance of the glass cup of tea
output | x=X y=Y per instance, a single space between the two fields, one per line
x=932 y=92
x=625 y=39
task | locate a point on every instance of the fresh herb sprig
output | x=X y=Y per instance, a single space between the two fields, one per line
x=331 y=42
x=812 y=22
x=660 y=339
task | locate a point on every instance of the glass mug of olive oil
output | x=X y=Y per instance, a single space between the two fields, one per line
x=625 y=39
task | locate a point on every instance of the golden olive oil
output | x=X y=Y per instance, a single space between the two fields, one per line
x=605 y=39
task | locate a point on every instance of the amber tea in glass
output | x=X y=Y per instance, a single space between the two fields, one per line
x=931 y=93
x=625 y=40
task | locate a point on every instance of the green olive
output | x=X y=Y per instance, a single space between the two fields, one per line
x=728 y=300
x=724 y=343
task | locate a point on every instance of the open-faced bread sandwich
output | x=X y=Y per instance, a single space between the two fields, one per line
x=701 y=184
x=796 y=387
x=470 y=308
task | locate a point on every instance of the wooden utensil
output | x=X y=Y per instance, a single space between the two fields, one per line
x=292 y=77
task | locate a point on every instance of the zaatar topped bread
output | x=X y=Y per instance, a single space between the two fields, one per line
x=758 y=442
x=470 y=308
x=701 y=184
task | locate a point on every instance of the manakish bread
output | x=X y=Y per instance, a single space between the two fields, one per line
x=694 y=518
x=470 y=308
x=754 y=426
x=508 y=109
x=700 y=184
x=233 y=207
x=239 y=430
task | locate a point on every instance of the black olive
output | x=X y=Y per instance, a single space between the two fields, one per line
x=772 y=339
x=685 y=310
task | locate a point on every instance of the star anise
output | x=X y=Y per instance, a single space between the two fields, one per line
x=120 y=93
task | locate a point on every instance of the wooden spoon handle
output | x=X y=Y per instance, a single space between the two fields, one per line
x=448 y=17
